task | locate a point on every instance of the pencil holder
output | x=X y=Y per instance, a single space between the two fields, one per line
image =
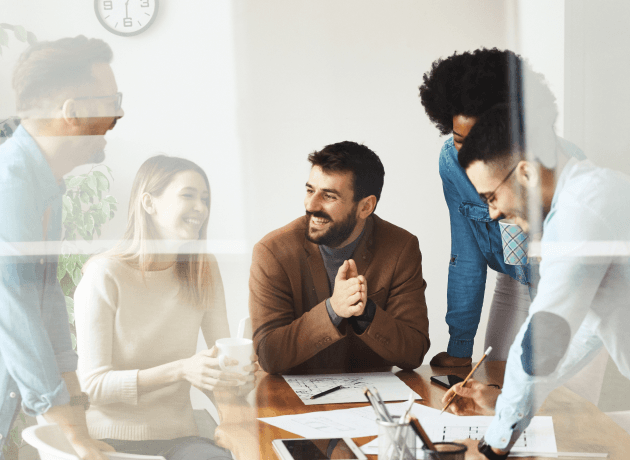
x=445 y=451
x=396 y=440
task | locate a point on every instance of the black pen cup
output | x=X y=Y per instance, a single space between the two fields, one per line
x=445 y=451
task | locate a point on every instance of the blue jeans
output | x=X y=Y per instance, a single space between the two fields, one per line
x=187 y=448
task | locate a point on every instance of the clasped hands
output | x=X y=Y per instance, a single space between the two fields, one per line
x=350 y=295
x=473 y=399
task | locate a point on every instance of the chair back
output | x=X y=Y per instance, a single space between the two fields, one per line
x=51 y=444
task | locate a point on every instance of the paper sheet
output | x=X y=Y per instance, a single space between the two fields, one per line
x=389 y=387
x=345 y=423
x=538 y=437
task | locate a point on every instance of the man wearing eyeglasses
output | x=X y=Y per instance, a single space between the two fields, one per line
x=584 y=290
x=67 y=100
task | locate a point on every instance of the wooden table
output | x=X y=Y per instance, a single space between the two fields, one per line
x=579 y=425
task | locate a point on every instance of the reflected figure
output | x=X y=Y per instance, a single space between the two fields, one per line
x=139 y=308
x=455 y=93
x=339 y=289
x=584 y=290
x=67 y=100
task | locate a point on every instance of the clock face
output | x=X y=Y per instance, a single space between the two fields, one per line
x=126 y=17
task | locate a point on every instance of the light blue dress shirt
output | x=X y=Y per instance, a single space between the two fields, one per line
x=35 y=343
x=584 y=288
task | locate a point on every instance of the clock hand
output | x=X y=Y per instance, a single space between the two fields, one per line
x=127 y=9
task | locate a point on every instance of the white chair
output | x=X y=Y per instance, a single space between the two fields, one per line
x=245 y=328
x=51 y=444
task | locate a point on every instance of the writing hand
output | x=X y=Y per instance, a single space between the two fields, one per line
x=473 y=399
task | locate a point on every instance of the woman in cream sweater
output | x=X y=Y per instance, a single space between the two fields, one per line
x=139 y=308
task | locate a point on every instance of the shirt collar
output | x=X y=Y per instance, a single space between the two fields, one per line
x=49 y=189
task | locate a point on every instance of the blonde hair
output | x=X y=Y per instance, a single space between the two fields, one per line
x=192 y=269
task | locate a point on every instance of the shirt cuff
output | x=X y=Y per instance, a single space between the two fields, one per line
x=362 y=322
x=35 y=404
x=460 y=348
x=334 y=318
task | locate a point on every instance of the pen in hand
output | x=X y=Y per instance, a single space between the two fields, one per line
x=467 y=378
x=324 y=393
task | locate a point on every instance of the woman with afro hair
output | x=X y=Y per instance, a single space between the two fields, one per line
x=455 y=92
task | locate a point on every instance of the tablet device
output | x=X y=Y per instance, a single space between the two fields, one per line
x=317 y=449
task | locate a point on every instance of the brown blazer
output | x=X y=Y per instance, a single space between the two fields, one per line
x=288 y=288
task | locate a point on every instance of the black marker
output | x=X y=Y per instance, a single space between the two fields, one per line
x=324 y=393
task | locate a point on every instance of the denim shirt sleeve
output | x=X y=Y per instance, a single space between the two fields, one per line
x=34 y=332
x=467 y=270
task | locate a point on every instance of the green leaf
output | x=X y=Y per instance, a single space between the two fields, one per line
x=70 y=265
x=61 y=271
x=101 y=181
x=89 y=225
x=20 y=33
x=74 y=341
x=113 y=207
x=103 y=217
x=76 y=181
x=85 y=197
x=31 y=38
x=76 y=276
x=70 y=308
x=110 y=199
x=4 y=37
x=67 y=203
x=91 y=182
x=106 y=208
x=98 y=232
x=109 y=170
x=64 y=214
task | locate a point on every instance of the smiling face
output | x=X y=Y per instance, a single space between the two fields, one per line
x=331 y=211
x=505 y=199
x=461 y=127
x=182 y=209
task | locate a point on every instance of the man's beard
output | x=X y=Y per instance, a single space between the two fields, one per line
x=337 y=232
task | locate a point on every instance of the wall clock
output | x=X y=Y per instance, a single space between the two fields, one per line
x=126 y=17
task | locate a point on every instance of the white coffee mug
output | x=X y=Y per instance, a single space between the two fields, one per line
x=238 y=349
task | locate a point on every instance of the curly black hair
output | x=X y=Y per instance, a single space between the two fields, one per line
x=471 y=82
x=497 y=138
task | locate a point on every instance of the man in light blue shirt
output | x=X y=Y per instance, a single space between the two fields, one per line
x=67 y=99
x=584 y=289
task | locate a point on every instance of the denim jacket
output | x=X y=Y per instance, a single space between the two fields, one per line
x=475 y=246
x=35 y=344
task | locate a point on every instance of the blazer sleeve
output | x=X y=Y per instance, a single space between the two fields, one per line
x=281 y=340
x=399 y=332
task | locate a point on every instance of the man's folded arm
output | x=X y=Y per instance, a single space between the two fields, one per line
x=25 y=345
x=399 y=332
x=280 y=340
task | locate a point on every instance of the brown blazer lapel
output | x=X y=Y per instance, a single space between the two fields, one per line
x=362 y=254
x=318 y=271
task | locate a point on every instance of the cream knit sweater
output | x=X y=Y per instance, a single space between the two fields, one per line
x=125 y=324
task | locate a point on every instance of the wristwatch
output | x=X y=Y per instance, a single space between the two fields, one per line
x=488 y=452
x=82 y=399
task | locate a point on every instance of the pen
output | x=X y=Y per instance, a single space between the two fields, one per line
x=466 y=379
x=415 y=424
x=388 y=417
x=324 y=393
x=372 y=400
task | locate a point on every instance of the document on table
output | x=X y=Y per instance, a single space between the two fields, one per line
x=345 y=423
x=538 y=437
x=389 y=387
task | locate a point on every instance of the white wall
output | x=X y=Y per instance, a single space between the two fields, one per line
x=247 y=89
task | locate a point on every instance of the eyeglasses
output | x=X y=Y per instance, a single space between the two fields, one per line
x=489 y=199
x=116 y=97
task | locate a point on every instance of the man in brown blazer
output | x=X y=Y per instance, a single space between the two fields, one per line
x=339 y=289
